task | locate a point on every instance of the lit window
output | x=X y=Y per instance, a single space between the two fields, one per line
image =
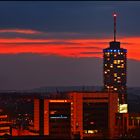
x=105 y=72
x=115 y=61
x=85 y=131
x=111 y=66
x=123 y=108
x=122 y=60
x=92 y=131
x=108 y=59
x=105 y=64
x=115 y=89
x=115 y=74
x=122 y=66
x=118 y=77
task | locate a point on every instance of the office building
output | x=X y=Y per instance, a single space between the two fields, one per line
x=115 y=66
x=80 y=115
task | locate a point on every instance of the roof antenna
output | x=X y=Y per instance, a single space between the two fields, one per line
x=114 y=15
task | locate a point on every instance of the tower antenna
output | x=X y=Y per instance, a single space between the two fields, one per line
x=114 y=15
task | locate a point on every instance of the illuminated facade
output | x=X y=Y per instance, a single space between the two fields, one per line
x=115 y=68
x=5 y=125
x=78 y=114
x=114 y=72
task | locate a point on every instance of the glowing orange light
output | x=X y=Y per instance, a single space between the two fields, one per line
x=57 y=101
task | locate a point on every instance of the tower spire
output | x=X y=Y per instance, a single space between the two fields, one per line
x=114 y=15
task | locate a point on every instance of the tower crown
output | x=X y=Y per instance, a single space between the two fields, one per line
x=114 y=45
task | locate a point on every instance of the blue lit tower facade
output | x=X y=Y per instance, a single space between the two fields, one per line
x=115 y=66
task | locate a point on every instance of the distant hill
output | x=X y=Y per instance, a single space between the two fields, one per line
x=133 y=93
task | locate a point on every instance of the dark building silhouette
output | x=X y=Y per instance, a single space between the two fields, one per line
x=115 y=66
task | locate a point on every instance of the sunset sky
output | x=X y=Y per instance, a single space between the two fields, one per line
x=60 y=43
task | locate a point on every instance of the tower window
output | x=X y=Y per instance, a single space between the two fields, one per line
x=115 y=74
x=115 y=89
x=117 y=61
x=118 y=77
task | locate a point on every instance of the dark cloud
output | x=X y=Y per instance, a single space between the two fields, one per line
x=26 y=71
x=91 y=53
x=93 y=18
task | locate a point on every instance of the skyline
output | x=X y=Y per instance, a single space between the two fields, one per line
x=36 y=38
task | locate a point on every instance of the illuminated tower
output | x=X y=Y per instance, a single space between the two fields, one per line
x=115 y=66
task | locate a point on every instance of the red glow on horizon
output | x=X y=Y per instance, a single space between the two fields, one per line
x=67 y=47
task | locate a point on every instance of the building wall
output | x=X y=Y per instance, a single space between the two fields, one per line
x=36 y=114
x=77 y=113
x=4 y=125
x=113 y=109
x=76 y=101
x=46 y=117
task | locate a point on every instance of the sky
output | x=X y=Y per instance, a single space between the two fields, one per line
x=50 y=43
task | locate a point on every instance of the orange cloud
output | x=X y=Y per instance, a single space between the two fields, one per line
x=21 y=31
x=67 y=47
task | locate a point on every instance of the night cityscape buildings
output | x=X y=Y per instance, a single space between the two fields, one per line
x=82 y=115
x=91 y=115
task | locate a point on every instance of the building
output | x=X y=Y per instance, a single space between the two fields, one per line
x=128 y=125
x=115 y=66
x=5 y=124
x=115 y=70
x=83 y=115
